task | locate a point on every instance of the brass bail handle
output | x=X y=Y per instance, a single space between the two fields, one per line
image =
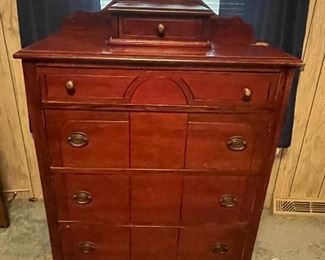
x=161 y=30
x=228 y=201
x=237 y=143
x=82 y=197
x=220 y=249
x=87 y=247
x=78 y=140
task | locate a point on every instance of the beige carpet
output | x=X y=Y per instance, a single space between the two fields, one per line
x=279 y=238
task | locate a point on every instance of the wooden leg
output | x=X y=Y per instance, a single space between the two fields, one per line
x=4 y=218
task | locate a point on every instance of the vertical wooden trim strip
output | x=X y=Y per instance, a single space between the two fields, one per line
x=38 y=127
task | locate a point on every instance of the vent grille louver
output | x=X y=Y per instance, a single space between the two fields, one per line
x=297 y=206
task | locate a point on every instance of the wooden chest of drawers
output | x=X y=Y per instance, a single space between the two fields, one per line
x=155 y=144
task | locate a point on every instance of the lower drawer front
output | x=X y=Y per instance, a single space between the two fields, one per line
x=94 y=242
x=81 y=241
x=163 y=199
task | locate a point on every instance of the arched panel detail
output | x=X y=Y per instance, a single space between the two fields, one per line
x=158 y=90
x=133 y=87
x=187 y=90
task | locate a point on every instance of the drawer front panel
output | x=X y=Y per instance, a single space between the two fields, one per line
x=207 y=146
x=210 y=243
x=107 y=144
x=233 y=87
x=225 y=143
x=95 y=242
x=152 y=137
x=85 y=139
x=116 y=86
x=86 y=85
x=93 y=198
x=154 y=199
x=84 y=241
x=212 y=199
x=160 y=28
x=159 y=243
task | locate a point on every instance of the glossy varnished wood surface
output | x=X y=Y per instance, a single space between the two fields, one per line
x=137 y=162
x=133 y=86
x=142 y=140
x=84 y=37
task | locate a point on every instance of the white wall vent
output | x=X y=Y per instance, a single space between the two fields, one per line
x=299 y=207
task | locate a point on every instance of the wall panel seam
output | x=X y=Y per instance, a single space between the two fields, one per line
x=306 y=127
x=308 y=29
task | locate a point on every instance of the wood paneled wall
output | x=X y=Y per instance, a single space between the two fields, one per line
x=18 y=166
x=300 y=170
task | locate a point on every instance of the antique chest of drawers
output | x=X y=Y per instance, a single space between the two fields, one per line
x=155 y=126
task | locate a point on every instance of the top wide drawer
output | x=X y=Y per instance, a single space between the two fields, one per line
x=114 y=86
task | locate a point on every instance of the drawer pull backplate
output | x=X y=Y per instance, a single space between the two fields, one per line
x=78 y=139
x=237 y=143
x=87 y=247
x=82 y=197
x=220 y=249
x=228 y=201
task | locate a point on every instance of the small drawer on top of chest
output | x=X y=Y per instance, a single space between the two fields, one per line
x=160 y=28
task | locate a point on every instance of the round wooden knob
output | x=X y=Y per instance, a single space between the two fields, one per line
x=78 y=140
x=70 y=87
x=82 y=197
x=161 y=30
x=228 y=201
x=236 y=143
x=87 y=247
x=247 y=94
x=220 y=249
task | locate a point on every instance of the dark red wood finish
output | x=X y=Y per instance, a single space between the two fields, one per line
x=135 y=131
x=110 y=242
x=146 y=28
x=109 y=201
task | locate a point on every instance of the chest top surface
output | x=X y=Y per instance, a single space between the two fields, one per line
x=172 y=31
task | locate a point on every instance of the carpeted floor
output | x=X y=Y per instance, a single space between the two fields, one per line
x=279 y=238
